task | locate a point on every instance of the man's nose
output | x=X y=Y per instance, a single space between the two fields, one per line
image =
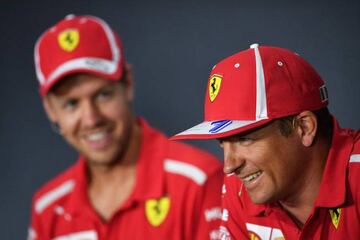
x=233 y=158
x=91 y=115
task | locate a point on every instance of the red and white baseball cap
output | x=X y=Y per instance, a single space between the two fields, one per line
x=77 y=44
x=254 y=87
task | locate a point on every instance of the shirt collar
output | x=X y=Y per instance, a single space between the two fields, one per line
x=79 y=200
x=150 y=176
x=333 y=185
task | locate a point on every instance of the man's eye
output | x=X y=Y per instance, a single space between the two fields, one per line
x=241 y=139
x=105 y=94
x=236 y=139
x=245 y=140
x=71 y=104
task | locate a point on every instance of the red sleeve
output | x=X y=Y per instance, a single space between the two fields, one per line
x=209 y=211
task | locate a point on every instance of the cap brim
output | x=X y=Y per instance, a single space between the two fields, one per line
x=116 y=76
x=219 y=129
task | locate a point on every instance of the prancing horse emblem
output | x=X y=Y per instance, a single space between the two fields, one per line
x=69 y=39
x=335 y=214
x=214 y=86
x=156 y=210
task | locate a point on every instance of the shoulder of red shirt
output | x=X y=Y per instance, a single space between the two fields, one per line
x=55 y=189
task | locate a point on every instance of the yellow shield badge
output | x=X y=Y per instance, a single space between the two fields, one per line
x=214 y=86
x=156 y=210
x=254 y=236
x=335 y=214
x=69 y=39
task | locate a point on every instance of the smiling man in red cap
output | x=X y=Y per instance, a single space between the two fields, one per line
x=292 y=172
x=130 y=181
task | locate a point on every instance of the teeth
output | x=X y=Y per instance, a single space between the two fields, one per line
x=96 y=136
x=251 y=176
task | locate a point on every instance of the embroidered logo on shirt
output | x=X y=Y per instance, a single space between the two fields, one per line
x=69 y=39
x=156 y=210
x=213 y=214
x=225 y=215
x=224 y=233
x=335 y=214
x=253 y=236
x=214 y=86
x=258 y=232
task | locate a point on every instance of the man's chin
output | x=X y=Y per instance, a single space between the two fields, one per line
x=101 y=159
x=260 y=199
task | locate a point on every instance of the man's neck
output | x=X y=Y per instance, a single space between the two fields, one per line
x=110 y=185
x=301 y=204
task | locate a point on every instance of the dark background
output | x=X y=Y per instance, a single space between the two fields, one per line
x=172 y=46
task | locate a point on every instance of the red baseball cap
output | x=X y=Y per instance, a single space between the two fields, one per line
x=77 y=44
x=254 y=87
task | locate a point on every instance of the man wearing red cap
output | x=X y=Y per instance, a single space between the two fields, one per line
x=292 y=172
x=130 y=181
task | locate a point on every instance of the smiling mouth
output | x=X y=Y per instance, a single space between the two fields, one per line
x=251 y=177
x=96 y=136
x=99 y=140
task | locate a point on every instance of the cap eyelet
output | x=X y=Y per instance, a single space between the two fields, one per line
x=67 y=217
x=83 y=20
x=280 y=63
x=69 y=16
x=236 y=65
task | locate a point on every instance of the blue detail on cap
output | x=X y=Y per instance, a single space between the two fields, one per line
x=219 y=125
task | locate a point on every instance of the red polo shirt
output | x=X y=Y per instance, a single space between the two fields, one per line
x=336 y=212
x=176 y=196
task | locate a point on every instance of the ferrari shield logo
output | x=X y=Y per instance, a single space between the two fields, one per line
x=69 y=39
x=156 y=210
x=254 y=236
x=335 y=214
x=214 y=86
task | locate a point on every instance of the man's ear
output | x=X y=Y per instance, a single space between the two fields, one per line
x=49 y=109
x=129 y=82
x=306 y=125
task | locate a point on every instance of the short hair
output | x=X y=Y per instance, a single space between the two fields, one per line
x=324 y=119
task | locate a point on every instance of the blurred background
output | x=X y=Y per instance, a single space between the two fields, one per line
x=172 y=46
